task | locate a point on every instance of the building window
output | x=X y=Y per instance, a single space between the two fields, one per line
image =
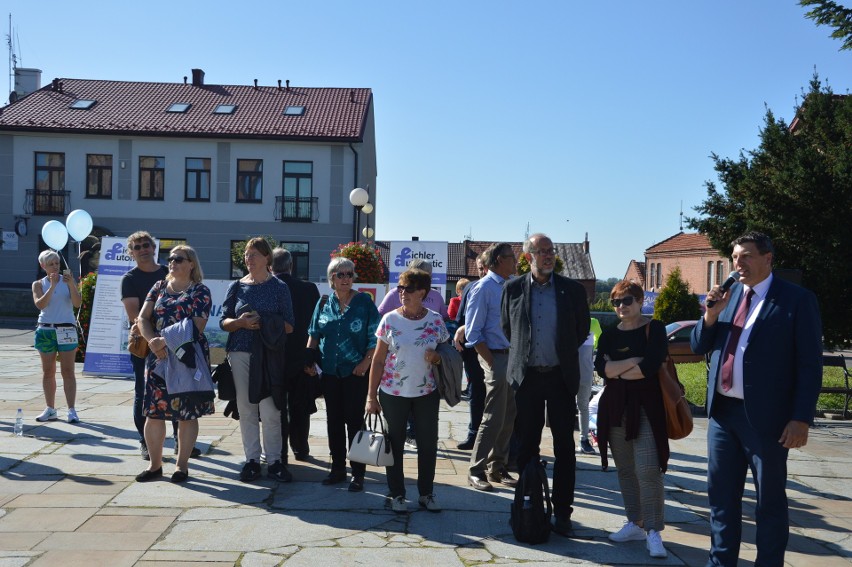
x=249 y=180
x=49 y=195
x=298 y=190
x=178 y=107
x=294 y=111
x=659 y=275
x=709 y=276
x=225 y=109
x=720 y=274
x=165 y=249
x=98 y=176
x=299 y=252
x=152 y=173
x=197 y=179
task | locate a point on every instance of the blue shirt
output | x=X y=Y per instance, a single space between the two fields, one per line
x=542 y=323
x=344 y=337
x=271 y=296
x=482 y=313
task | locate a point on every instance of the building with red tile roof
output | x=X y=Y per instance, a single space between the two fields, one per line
x=701 y=265
x=189 y=161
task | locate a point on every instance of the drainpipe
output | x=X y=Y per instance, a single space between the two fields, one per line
x=355 y=184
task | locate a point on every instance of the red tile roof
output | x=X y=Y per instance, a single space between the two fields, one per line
x=124 y=107
x=680 y=243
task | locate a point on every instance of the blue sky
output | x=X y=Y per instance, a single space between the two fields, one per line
x=572 y=117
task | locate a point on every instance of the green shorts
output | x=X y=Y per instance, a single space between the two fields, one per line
x=45 y=341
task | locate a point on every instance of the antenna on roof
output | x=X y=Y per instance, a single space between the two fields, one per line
x=13 y=57
x=469 y=235
x=681 y=215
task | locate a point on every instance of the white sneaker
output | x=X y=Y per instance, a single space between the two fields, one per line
x=399 y=505
x=654 y=544
x=628 y=532
x=72 y=416
x=49 y=414
x=430 y=503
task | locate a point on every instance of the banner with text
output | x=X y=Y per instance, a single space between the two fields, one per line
x=404 y=251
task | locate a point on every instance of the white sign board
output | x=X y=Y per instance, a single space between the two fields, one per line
x=404 y=251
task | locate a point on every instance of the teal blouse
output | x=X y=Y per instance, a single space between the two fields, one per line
x=344 y=338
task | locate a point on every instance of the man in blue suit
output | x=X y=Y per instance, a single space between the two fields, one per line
x=765 y=340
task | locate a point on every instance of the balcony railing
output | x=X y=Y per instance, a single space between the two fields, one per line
x=296 y=209
x=47 y=202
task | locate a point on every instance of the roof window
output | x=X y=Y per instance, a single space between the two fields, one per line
x=294 y=111
x=225 y=109
x=82 y=104
x=180 y=107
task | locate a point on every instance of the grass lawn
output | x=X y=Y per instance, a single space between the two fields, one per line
x=694 y=378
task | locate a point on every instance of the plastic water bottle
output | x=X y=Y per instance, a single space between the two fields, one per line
x=19 y=423
x=527 y=503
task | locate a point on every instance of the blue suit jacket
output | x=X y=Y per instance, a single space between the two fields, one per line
x=782 y=363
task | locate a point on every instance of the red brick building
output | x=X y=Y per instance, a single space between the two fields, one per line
x=700 y=264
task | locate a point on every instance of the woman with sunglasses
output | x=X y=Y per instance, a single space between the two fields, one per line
x=405 y=354
x=179 y=296
x=341 y=340
x=631 y=416
x=258 y=314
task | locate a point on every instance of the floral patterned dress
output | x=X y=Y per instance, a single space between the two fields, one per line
x=406 y=371
x=169 y=309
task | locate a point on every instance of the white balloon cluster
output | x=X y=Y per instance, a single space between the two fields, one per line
x=78 y=225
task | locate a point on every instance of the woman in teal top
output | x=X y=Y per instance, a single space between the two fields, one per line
x=343 y=329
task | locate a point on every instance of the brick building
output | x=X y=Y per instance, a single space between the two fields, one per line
x=700 y=264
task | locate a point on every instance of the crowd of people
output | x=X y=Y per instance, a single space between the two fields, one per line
x=527 y=347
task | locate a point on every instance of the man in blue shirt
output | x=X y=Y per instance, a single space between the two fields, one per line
x=484 y=333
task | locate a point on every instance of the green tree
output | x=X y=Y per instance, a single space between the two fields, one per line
x=238 y=250
x=606 y=286
x=797 y=188
x=676 y=302
x=828 y=13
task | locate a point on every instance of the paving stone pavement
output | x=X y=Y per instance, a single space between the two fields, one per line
x=68 y=497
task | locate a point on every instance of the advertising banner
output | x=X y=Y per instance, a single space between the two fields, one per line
x=404 y=251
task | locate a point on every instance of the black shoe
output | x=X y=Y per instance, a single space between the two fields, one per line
x=586 y=447
x=479 y=482
x=147 y=475
x=179 y=476
x=279 y=472
x=195 y=453
x=563 y=526
x=466 y=445
x=250 y=472
x=302 y=456
x=357 y=484
x=143 y=450
x=503 y=477
x=334 y=477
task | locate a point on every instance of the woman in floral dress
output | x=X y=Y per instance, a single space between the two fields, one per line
x=179 y=296
x=405 y=353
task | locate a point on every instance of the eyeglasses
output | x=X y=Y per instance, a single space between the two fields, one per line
x=177 y=259
x=512 y=256
x=341 y=275
x=548 y=252
x=251 y=256
x=626 y=301
x=138 y=247
x=406 y=288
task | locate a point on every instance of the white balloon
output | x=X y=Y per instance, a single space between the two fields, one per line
x=79 y=224
x=54 y=234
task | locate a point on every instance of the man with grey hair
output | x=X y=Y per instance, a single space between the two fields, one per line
x=484 y=333
x=296 y=416
x=545 y=316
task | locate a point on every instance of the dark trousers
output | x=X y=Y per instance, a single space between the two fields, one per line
x=476 y=379
x=296 y=419
x=345 y=398
x=734 y=446
x=396 y=410
x=139 y=398
x=537 y=391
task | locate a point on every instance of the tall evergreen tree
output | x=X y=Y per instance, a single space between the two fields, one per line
x=676 y=302
x=797 y=188
x=828 y=13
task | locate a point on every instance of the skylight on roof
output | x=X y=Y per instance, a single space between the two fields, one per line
x=178 y=107
x=82 y=104
x=225 y=109
x=294 y=111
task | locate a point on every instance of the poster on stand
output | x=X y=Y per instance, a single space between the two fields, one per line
x=404 y=251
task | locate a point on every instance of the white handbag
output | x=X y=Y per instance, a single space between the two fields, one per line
x=371 y=445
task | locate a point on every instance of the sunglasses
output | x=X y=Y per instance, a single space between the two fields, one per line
x=177 y=259
x=626 y=301
x=138 y=247
x=406 y=288
x=341 y=275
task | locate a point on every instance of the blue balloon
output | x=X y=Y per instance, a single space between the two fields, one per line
x=79 y=224
x=54 y=234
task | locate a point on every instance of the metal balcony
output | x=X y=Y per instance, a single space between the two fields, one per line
x=48 y=203
x=296 y=209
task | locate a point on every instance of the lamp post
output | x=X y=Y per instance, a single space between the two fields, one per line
x=358 y=197
x=367 y=231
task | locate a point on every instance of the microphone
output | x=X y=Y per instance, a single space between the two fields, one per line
x=733 y=278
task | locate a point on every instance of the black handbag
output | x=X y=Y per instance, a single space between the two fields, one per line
x=224 y=380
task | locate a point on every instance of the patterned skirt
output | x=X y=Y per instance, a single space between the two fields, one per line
x=159 y=405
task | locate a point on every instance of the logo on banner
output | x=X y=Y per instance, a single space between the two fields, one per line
x=117 y=254
x=406 y=255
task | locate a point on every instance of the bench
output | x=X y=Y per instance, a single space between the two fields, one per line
x=838 y=361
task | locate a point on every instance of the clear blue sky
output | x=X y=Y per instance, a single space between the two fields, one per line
x=574 y=117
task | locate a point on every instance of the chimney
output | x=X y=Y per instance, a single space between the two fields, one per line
x=197 y=78
x=255 y=84
x=279 y=84
x=352 y=96
x=287 y=82
x=586 y=244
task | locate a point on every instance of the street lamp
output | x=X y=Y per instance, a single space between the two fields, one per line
x=359 y=198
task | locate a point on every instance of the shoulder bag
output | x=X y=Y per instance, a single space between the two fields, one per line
x=371 y=445
x=678 y=414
